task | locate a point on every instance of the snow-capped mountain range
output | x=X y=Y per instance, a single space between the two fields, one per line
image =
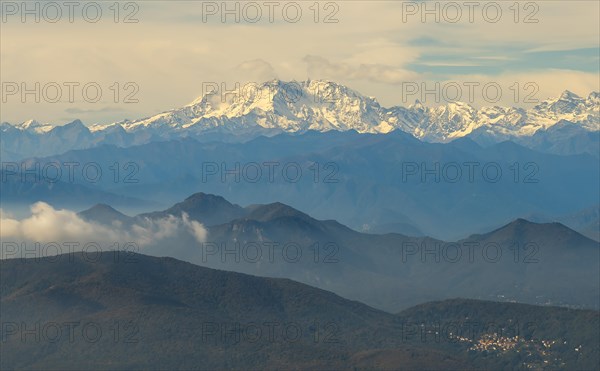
x=276 y=106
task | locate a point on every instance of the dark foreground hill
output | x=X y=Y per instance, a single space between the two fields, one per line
x=508 y=335
x=131 y=311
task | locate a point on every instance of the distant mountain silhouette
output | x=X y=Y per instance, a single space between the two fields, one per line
x=206 y=208
x=521 y=261
x=586 y=221
x=105 y=214
x=23 y=190
x=366 y=181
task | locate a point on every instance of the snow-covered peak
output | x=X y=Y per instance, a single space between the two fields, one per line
x=34 y=126
x=277 y=106
x=29 y=124
x=322 y=105
x=568 y=95
x=417 y=105
x=593 y=99
x=566 y=100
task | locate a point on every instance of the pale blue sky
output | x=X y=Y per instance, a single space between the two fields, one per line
x=374 y=47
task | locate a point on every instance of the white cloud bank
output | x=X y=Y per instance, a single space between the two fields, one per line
x=49 y=225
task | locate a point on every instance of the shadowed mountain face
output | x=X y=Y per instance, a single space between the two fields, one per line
x=586 y=221
x=565 y=137
x=105 y=214
x=125 y=310
x=522 y=261
x=205 y=208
